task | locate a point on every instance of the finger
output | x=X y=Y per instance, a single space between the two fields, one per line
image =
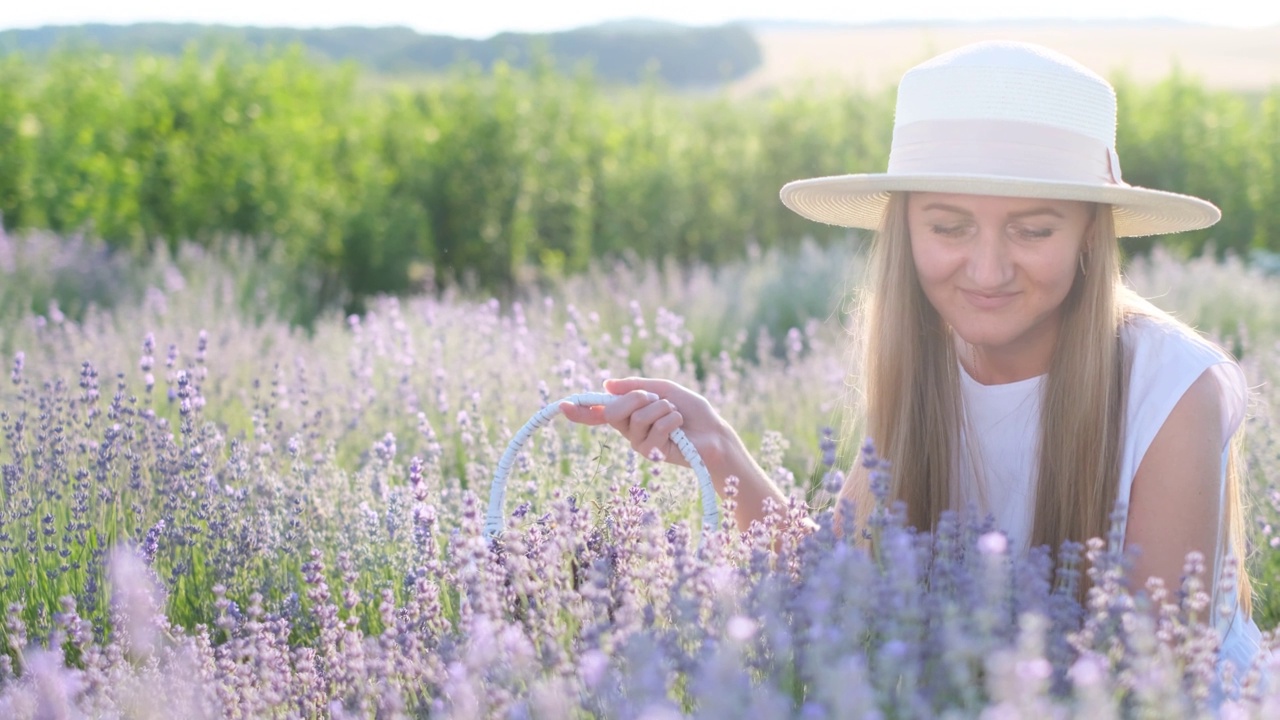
x=622 y=386
x=650 y=413
x=640 y=432
x=660 y=435
x=592 y=415
x=619 y=411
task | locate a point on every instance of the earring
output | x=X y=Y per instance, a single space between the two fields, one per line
x=1083 y=271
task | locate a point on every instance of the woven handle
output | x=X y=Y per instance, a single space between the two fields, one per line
x=496 y=518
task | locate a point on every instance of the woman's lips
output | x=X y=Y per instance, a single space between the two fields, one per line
x=988 y=301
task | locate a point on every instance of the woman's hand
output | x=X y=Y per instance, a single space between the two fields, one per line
x=646 y=413
x=648 y=410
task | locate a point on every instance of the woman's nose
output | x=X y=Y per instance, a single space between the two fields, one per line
x=990 y=265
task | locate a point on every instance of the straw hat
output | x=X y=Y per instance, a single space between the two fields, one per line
x=1002 y=118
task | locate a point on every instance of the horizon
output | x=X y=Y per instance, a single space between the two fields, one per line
x=481 y=20
x=765 y=21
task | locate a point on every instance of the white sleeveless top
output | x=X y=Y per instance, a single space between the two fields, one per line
x=1004 y=422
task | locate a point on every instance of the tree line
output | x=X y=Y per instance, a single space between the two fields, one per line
x=495 y=175
x=617 y=52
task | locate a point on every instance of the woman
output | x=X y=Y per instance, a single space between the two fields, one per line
x=1007 y=366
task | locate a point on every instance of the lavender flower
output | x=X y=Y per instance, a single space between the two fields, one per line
x=828 y=447
x=291 y=566
x=151 y=543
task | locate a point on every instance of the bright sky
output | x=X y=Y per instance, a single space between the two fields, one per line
x=481 y=18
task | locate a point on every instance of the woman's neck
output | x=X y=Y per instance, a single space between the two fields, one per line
x=1027 y=358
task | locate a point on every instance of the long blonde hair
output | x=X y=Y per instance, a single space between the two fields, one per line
x=911 y=395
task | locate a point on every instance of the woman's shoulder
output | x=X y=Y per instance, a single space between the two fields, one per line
x=1165 y=358
x=1165 y=341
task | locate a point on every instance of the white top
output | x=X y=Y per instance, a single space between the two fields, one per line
x=1004 y=420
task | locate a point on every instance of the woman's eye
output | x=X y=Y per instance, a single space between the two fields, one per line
x=951 y=231
x=1032 y=233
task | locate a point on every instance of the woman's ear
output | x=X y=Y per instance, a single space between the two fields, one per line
x=1089 y=227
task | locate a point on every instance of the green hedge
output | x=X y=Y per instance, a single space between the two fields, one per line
x=488 y=176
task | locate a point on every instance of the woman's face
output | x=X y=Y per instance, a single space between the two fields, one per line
x=997 y=270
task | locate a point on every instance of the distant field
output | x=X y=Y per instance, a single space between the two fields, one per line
x=1229 y=58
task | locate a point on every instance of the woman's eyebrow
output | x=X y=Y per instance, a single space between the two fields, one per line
x=1037 y=211
x=1045 y=210
x=946 y=207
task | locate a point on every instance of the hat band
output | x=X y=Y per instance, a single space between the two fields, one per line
x=1008 y=148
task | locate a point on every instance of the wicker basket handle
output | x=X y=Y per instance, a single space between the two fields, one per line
x=495 y=520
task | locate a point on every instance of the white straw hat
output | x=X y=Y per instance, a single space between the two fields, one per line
x=1002 y=118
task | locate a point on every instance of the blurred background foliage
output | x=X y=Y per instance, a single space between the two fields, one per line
x=491 y=175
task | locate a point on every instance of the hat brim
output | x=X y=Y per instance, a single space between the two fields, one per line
x=859 y=200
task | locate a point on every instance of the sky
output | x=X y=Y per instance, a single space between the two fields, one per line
x=481 y=18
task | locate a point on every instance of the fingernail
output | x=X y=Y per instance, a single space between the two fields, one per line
x=650 y=396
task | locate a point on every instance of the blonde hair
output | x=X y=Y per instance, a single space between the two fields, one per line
x=911 y=397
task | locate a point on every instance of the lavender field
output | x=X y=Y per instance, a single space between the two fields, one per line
x=208 y=513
